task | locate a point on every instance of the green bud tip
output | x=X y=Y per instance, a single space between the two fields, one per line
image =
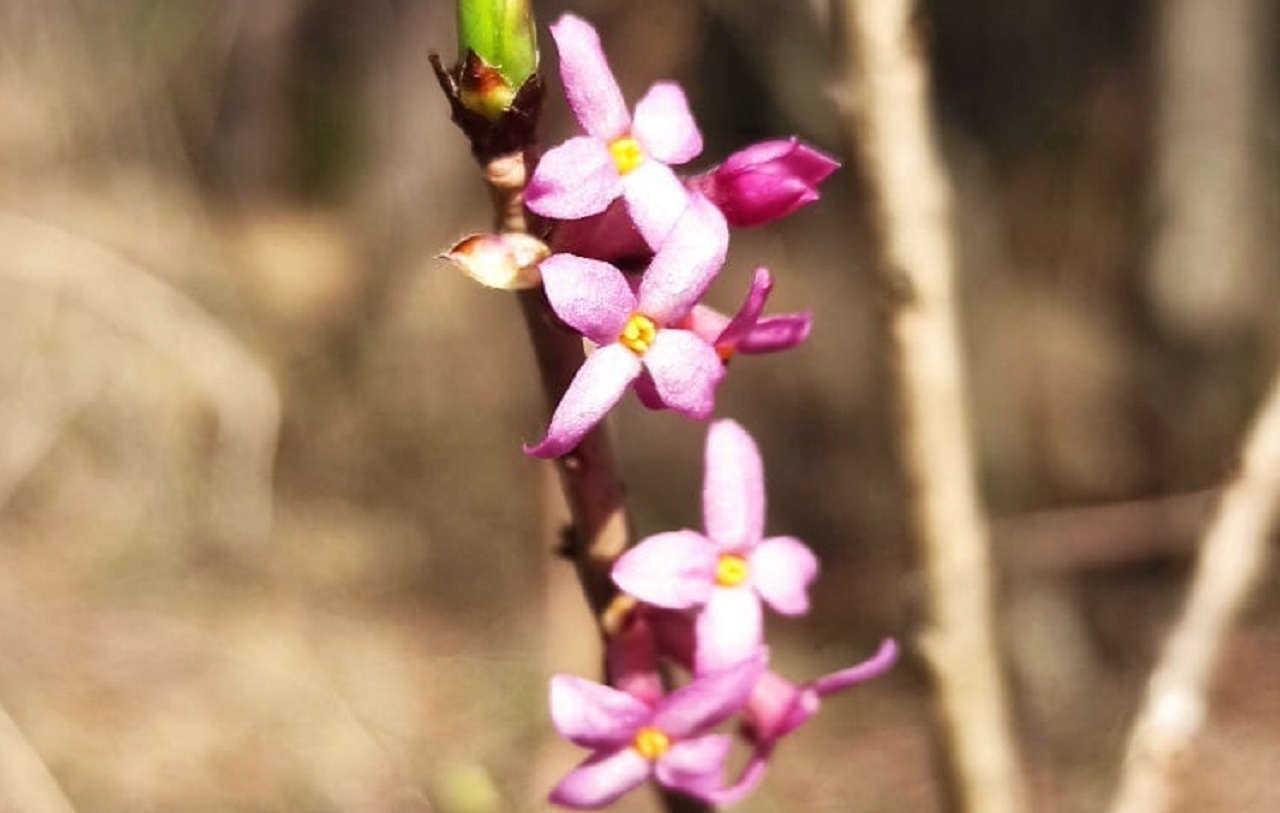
x=503 y=38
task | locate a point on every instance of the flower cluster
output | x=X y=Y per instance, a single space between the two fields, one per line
x=633 y=245
x=700 y=607
x=612 y=195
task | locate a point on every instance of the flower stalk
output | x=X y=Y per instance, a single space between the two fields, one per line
x=605 y=241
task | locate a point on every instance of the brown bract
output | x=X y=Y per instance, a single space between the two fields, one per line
x=509 y=131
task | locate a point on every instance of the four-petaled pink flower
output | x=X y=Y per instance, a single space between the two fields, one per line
x=633 y=740
x=728 y=570
x=766 y=181
x=620 y=156
x=636 y=329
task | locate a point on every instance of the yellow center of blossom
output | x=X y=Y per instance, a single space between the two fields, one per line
x=731 y=570
x=651 y=742
x=638 y=333
x=626 y=153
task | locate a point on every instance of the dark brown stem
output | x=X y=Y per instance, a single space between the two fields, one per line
x=592 y=488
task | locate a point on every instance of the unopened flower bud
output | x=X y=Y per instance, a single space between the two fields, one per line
x=497 y=53
x=505 y=261
x=766 y=181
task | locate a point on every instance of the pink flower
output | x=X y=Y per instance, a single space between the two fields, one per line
x=620 y=156
x=632 y=740
x=748 y=332
x=731 y=568
x=766 y=181
x=636 y=329
x=777 y=706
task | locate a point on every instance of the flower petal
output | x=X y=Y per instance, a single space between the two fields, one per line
x=601 y=779
x=709 y=699
x=747 y=316
x=599 y=384
x=733 y=500
x=675 y=570
x=686 y=262
x=593 y=93
x=655 y=200
x=593 y=715
x=773 y=333
x=664 y=126
x=747 y=780
x=874 y=666
x=574 y=180
x=694 y=766
x=647 y=392
x=777 y=707
x=685 y=372
x=730 y=628
x=591 y=296
x=781 y=570
x=706 y=322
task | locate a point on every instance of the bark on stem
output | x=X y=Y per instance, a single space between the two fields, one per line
x=588 y=476
x=891 y=124
x=1232 y=555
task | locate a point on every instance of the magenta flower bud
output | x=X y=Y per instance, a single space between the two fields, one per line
x=766 y=181
x=631 y=659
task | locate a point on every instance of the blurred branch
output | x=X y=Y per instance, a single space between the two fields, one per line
x=1096 y=536
x=1203 y=280
x=1231 y=559
x=26 y=784
x=137 y=303
x=891 y=125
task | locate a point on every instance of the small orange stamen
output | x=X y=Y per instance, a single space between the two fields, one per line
x=731 y=570
x=725 y=352
x=651 y=742
x=626 y=153
x=638 y=333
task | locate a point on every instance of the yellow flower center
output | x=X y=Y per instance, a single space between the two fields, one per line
x=651 y=742
x=626 y=153
x=731 y=570
x=638 y=333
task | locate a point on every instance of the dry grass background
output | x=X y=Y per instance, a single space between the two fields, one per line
x=266 y=538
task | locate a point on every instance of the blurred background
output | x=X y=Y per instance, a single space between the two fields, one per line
x=267 y=540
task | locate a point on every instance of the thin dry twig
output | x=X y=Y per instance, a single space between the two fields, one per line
x=26 y=783
x=1232 y=555
x=1102 y=535
x=892 y=127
